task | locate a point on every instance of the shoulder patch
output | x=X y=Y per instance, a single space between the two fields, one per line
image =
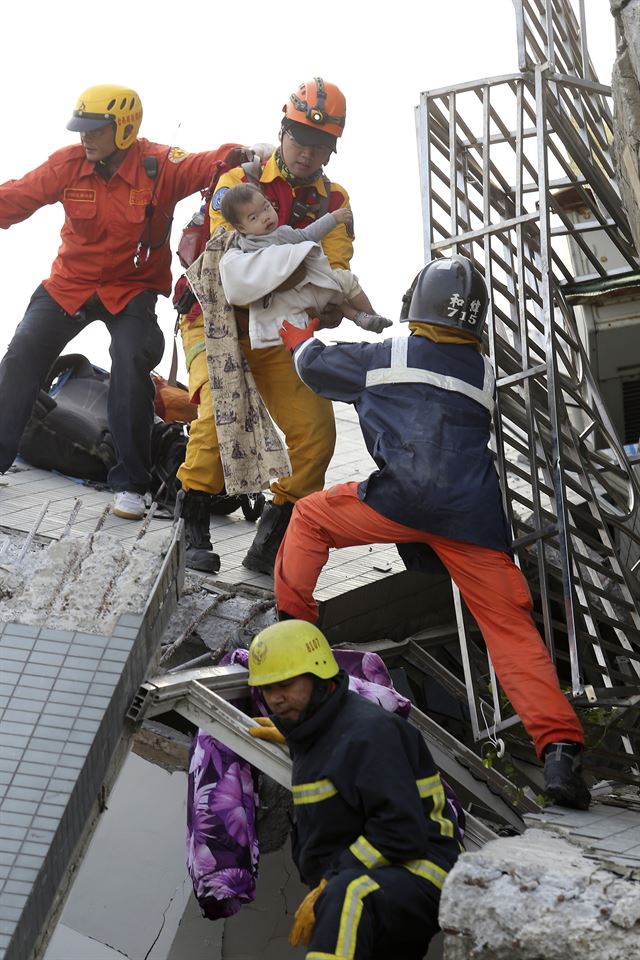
x=177 y=155
x=217 y=197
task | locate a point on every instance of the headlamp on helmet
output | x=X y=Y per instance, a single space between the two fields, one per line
x=318 y=104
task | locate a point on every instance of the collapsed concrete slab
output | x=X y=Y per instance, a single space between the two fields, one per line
x=64 y=692
x=538 y=896
x=81 y=583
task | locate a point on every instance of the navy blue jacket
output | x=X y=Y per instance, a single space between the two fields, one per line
x=367 y=793
x=425 y=412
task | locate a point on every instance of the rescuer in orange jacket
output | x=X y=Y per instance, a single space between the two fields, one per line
x=119 y=194
x=293 y=181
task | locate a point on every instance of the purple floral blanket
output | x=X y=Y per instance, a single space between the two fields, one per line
x=222 y=848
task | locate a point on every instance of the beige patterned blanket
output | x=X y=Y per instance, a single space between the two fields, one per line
x=252 y=452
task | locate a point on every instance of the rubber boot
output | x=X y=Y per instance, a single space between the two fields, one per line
x=196 y=512
x=272 y=527
x=563 y=782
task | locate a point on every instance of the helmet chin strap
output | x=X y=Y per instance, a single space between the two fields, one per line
x=108 y=166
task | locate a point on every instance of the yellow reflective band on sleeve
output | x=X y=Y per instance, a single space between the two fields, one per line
x=314 y=955
x=355 y=893
x=313 y=792
x=428 y=871
x=431 y=788
x=367 y=854
x=193 y=352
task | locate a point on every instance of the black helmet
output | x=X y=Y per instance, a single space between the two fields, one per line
x=449 y=292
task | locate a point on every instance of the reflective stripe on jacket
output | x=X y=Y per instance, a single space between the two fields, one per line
x=367 y=793
x=425 y=413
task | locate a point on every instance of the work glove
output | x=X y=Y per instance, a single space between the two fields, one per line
x=238 y=155
x=305 y=918
x=245 y=154
x=293 y=336
x=266 y=730
x=262 y=150
x=372 y=322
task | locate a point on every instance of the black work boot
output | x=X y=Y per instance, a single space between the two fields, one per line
x=196 y=512
x=272 y=527
x=283 y=615
x=563 y=783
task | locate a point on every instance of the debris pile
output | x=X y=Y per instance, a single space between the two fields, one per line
x=539 y=895
x=80 y=583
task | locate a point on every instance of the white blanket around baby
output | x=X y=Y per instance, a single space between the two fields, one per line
x=251 y=277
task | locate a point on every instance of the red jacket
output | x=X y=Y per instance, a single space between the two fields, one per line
x=105 y=220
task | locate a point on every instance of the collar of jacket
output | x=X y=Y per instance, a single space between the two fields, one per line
x=431 y=331
x=270 y=173
x=305 y=731
x=127 y=169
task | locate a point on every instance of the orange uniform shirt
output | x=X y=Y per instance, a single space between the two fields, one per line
x=105 y=220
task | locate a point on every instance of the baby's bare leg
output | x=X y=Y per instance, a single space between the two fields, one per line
x=361 y=303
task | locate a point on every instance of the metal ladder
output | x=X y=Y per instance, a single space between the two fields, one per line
x=203 y=697
x=498 y=160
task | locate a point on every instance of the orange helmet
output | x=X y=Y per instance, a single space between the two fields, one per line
x=318 y=104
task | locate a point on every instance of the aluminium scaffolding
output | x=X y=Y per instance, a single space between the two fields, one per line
x=497 y=158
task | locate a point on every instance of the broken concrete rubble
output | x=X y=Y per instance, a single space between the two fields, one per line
x=538 y=896
x=83 y=583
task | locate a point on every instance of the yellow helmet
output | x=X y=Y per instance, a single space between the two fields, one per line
x=289 y=649
x=107 y=103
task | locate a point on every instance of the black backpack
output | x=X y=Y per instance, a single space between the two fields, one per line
x=168 y=450
x=69 y=430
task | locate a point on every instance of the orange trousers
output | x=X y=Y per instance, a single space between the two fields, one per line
x=492 y=586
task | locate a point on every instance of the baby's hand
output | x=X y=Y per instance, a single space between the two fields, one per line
x=344 y=215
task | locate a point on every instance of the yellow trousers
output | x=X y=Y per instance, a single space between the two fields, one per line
x=305 y=419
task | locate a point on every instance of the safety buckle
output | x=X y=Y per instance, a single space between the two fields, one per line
x=138 y=258
x=300 y=210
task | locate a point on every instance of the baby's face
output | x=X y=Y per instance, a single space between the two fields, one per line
x=257 y=217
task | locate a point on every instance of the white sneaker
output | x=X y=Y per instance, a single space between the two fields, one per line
x=128 y=505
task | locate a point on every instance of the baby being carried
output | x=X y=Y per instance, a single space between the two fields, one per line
x=263 y=255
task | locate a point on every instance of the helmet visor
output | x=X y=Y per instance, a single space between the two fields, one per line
x=308 y=136
x=81 y=123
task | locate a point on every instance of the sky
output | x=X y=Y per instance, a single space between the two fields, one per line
x=222 y=74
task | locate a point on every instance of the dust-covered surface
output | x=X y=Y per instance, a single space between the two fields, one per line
x=543 y=894
x=210 y=621
x=79 y=583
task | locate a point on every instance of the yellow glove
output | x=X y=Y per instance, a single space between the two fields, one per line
x=305 y=918
x=266 y=730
